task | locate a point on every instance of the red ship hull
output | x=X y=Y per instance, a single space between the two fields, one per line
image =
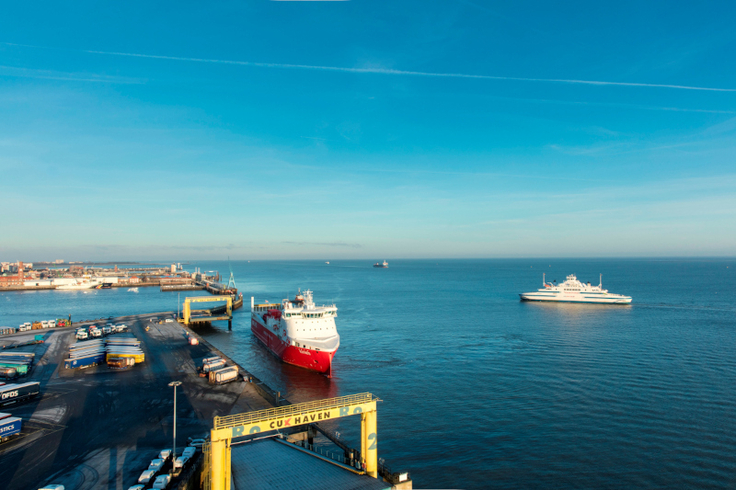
x=319 y=361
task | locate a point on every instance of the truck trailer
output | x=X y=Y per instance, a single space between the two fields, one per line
x=10 y=426
x=86 y=361
x=17 y=393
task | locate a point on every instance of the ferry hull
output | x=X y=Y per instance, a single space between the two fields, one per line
x=319 y=361
x=603 y=301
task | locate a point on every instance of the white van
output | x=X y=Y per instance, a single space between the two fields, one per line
x=52 y=323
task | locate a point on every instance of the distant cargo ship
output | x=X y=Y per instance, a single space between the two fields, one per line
x=574 y=291
x=380 y=265
x=298 y=332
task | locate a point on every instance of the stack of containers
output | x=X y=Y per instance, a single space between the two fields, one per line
x=85 y=354
x=21 y=362
x=125 y=347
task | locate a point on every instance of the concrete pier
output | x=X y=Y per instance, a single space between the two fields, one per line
x=98 y=428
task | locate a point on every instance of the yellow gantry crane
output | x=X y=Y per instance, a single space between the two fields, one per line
x=207 y=299
x=217 y=462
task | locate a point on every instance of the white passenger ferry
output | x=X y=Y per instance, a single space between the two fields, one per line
x=574 y=291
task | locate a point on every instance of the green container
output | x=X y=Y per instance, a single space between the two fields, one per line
x=20 y=368
x=39 y=338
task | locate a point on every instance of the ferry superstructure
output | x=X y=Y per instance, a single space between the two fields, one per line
x=297 y=331
x=85 y=284
x=574 y=291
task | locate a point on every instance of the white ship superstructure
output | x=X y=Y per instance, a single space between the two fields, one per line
x=574 y=291
x=83 y=284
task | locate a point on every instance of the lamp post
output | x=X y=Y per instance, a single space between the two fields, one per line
x=178 y=302
x=173 y=450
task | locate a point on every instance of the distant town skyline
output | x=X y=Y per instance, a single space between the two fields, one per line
x=367 y=130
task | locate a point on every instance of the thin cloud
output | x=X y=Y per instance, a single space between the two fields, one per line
x=388 y=71
x=13 y=71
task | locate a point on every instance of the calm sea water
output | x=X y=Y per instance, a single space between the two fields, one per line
x=481 y=390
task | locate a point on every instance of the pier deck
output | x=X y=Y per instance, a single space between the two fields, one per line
x=98 y=428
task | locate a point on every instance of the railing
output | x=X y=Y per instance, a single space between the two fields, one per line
x=291 y=410
x=337 y=457
x=206 y=476
x=390 y=476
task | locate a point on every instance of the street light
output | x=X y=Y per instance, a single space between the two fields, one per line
x=173 y=451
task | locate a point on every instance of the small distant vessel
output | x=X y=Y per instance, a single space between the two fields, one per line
x=380 y=265
x=132 y=290
x=327 y=263
x=104 y=285
x=85 y=284
x=297 y=331
x=574 y=291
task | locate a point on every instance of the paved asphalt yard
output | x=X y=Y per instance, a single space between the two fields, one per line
x=97 y=428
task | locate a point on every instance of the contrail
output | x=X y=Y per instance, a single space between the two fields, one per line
x=388 y=71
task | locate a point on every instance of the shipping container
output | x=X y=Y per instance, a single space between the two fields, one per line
x=85 y=362
x=138 y=357
x=225 y=375
x=120 y=363
x=213 y=366
x=211 y=359
x=29 y=355
x=12 y=393
x=20 y=367
x=10 y=426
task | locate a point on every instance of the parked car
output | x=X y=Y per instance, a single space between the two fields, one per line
x=137 y=487
x=180 y=462
x=44 y=324
x=169 y=320
x=107 y=329
x=189 y=452
x=196 y=443
x=52 y=323
x=162 y=482
x=146 y=476
x=165 y=454
x=156 y=465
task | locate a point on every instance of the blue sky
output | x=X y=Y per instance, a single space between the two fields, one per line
x=367 y=129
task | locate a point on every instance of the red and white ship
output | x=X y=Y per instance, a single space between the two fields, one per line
x=297 y=331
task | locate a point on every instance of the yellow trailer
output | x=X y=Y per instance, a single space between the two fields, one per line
x=137 y=356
